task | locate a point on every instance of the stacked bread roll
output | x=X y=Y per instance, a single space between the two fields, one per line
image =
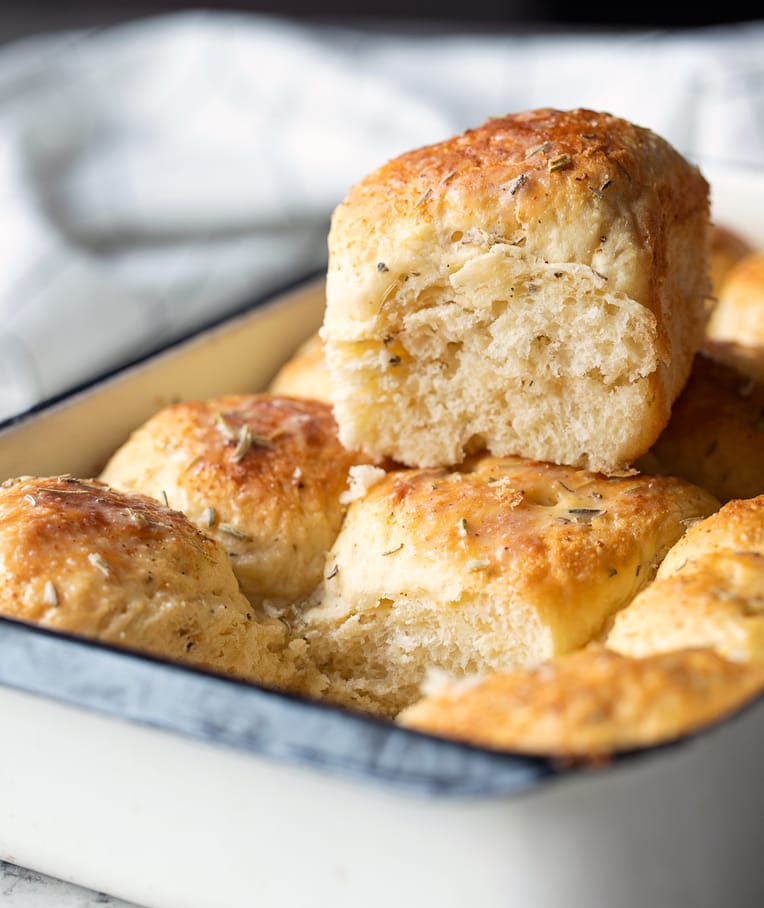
x=473 y=502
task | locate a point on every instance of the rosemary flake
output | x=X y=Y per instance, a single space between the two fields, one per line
x=232 y=531
x=136 y=516
x=393 y=551
x=225 y=427
x=600 y=193
x=386 y=295
x=333 y=573
x=209 y=515
x=99 y=562
x=539 y=149
x=243 y=444
x=462 y=526
x=585 y=515
x=30 y=498
x=515 y=184
x=560 y=162
x=381 y=266
x=426 y=195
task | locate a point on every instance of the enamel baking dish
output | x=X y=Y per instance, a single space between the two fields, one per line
x=173 y=788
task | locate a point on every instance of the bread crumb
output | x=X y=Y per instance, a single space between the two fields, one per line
x=361 y=478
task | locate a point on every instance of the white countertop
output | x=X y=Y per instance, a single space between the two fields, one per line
x=22 y=888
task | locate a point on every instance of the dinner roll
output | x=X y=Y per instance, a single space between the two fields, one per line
x=715 y=437
x=708 y=592
x=79 y=557
x=261 y=474
x=739 y=312
x=727 y=248
x=500 y=562
x=535 y=286
x=589 y=704
x=305 y=374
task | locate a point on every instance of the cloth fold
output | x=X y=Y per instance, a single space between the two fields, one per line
x=156 y=175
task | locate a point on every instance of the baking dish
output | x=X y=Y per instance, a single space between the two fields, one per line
x=174 y=788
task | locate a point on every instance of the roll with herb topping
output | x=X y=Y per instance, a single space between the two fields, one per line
x=589 y=704
x=504 y=561
x=715 y=437
x=79 y=557
x=535 y=286
x=708 y=592
x=261 y=473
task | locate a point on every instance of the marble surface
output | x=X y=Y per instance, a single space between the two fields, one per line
x=22 y=888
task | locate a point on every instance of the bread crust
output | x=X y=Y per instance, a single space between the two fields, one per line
x=81 y=558
x=514 y=287
x=715 y=437
x=261 y=473
x=738 y=316
x=590 y=704
x=505 y=561
x=304 y=374
x=708 y=591
x=728 y=247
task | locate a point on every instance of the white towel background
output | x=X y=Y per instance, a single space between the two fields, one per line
x=153 y=176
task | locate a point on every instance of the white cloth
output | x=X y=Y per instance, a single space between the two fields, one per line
x=156 y=175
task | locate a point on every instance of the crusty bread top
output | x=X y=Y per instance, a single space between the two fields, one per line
x=536 y=286
x=620 y=182
x=261 y=473
x=82 y=558
x=590 y=703
x=736 y=527
x=708 y=591
x=561 y=547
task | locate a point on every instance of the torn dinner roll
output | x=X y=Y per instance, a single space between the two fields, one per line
x=535 y=286
x=261 y=473
x=504 y=561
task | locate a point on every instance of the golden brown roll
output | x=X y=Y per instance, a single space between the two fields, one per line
x=79 y=557
x=727 y=248
x=708 y=591
x=261 y=474
x=739 y=313
x=535 y=286
x=589 y=704
x=715 y=437
x=504 y=561
x=305 y=374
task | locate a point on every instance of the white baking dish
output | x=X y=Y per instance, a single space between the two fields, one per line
x=173 y=788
